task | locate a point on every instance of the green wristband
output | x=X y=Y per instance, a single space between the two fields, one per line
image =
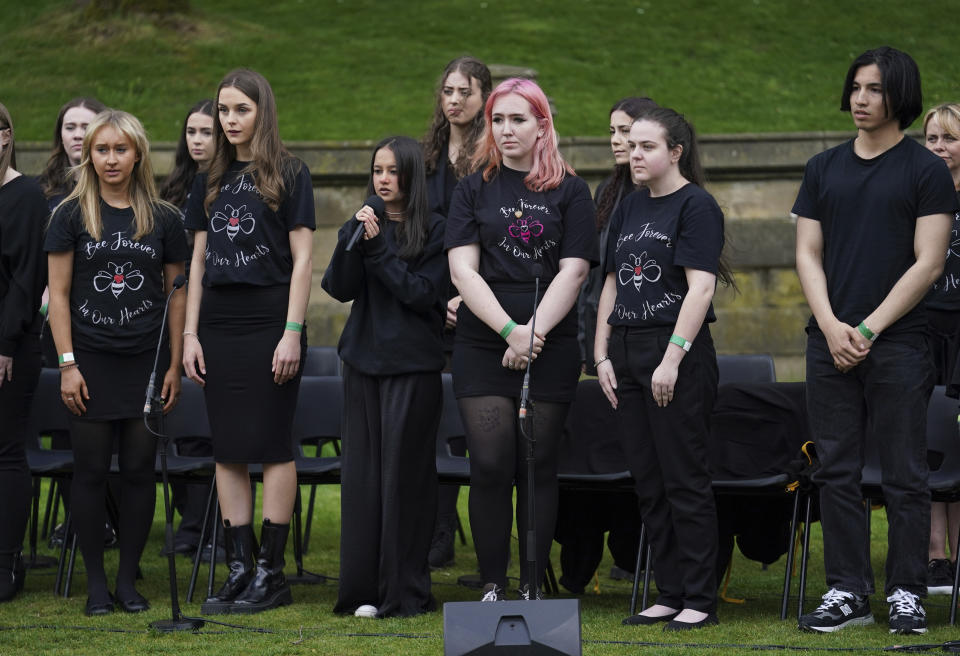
x=294 y=326
x=681 y=342
x=508 y=328
x=866 y=332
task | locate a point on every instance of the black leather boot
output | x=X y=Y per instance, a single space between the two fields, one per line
x=241 y=547
x=11 y=575
x=268 y=588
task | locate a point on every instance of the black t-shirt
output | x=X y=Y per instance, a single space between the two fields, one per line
x=247 y=242
x=23 y=266
x=516 y=227
x=945 y=293
x=652 y=241
x=868 y=210
x=116 y=293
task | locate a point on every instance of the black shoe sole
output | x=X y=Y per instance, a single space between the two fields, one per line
x=281 y=597
x=215 y=607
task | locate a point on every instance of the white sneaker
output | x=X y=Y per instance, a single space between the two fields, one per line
x=365 y=611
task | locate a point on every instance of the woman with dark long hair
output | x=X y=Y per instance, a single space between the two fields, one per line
x=114 y=249
x=607 y=197
x=656 y=361
x=525 y=215
x=392 y=352
x=23 y=274
x=68 y=133
x=449 y=147
x=253 y=214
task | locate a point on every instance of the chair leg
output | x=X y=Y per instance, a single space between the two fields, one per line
x=70 y=566
x=61 y=559
x=211 y=499
x=309 y=525
x=215 y=538
x=804 y=556
x=636 y=571
x=297 y=532
x=785 y=597
x=463 y=536
x=34 y=519
x=550 y=580
x=953 y=594
x=645 y=600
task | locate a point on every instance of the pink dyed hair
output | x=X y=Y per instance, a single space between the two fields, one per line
x=548 y=167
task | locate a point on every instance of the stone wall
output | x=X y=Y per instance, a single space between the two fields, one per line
x=753 y=176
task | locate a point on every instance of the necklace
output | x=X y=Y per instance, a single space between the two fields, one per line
x=397 y=214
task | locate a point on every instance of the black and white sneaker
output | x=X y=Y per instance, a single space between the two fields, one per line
x=940 y=576
x=838 y=610
x=906 y=613
x=492 y=592
x=524 y=593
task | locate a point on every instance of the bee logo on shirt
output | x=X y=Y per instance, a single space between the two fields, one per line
x=641 y=269
x=524 y=228
x=239 y=220
x=118 y=279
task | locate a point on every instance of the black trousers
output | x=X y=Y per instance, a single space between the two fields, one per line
x=388 y=494
x=16 y=398
x=666 y=449
x=884 y=398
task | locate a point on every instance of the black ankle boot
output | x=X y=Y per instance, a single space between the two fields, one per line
x=268 y=588
x=11 y=575
x=240 y=545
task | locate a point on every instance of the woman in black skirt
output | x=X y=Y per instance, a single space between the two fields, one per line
x=244 y=341
x=449 y=147
x=114 y=250
x=525 y=214
x=656 y=361
x=23 y=214
x=392 y=353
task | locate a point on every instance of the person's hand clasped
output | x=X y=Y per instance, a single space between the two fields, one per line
x=518 y=341
x=371 y=225
x=847 y=346
x=73 y=390
x=663 y=382
x=170 y=393
x=193 y=365
x=286 y=357
x=452 y=306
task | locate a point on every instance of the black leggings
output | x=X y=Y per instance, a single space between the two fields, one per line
x=498 y=453
x=92 y=449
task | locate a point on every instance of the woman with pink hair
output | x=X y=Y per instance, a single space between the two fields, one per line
x=524 y=215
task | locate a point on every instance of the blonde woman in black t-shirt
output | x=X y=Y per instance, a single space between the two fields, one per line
x=253 y=217
x=114 y=250
x=656 y=362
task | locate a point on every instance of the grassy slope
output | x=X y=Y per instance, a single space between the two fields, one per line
x=349 y=69
x=40 y=623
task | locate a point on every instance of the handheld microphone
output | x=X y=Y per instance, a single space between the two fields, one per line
x=376 y=204
x=178 y=282
x=525 y=390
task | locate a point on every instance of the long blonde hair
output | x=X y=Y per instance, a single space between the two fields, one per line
x=142 y=192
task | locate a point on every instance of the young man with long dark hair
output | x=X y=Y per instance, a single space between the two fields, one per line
x=874 y=216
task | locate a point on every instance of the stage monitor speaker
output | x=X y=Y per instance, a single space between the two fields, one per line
x=549 y=627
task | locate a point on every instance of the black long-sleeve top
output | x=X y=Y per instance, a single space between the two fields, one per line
x=23 y=264
x=399 y=306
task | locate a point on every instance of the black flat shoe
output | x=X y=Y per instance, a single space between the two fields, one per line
x=135 y=604
x=646 y=620
x=674 y=625
x=95 y=609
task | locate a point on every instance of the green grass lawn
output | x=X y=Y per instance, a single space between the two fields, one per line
x=359 y=69
x=39 y=623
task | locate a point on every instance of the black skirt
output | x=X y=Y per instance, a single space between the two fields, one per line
x=251 y=417
x=478 y=353
x=117 y=384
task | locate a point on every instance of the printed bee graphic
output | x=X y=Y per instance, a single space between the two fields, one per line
x=238 y=220
x=954 y=247
x=642 y=269
x=119 y=278
x=524 y=228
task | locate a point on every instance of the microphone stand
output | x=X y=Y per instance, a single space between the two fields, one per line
x=153 y=408
x=526 y=429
